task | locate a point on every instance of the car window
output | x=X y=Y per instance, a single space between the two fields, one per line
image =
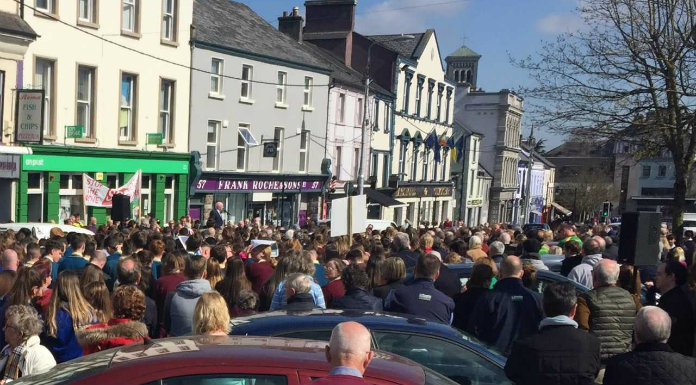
x=452 y=360
x=435 y=378
x=224 y=379
x=320 y=335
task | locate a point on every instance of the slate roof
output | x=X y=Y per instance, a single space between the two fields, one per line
x=233 y=25
x=411 y=48
x=15 y=25
x=464 y=51
x=466 y=130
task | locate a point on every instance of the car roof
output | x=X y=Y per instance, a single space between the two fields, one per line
x=549 y=275
x=281 y=321
x=43 y=230
x=229 y=351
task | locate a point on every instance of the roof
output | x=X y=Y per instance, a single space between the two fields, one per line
x=409 y=48
x=458 y=125
x=15 y=25
x=232 y=26
x=483 y=169
x=579 y=149
x=537 y=156
x=464 y=51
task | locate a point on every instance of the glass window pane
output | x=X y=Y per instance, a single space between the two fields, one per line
x=245 y=72
x=210 y=157
x=64 y=181
x=84 y=82
x=227 y=379
x=126 y=90
x=34 y=180
x=42 y=4
x=212 y=132
x=245 y=90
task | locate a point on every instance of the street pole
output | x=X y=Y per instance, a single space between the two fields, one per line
x=528 y=199
x=363 y=125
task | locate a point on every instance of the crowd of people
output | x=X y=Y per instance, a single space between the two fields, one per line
x=72 y=295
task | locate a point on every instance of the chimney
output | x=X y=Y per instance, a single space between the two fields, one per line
x=330 y=16
x=291 y=24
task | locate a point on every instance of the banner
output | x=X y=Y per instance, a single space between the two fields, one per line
x=98 y=195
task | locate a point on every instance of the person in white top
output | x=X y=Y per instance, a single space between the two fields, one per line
x=23 y=355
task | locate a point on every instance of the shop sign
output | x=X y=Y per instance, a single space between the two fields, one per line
x=9 y=166
x=475 y=202
x=156 y=139
x=422 y=191
x=29 y=116
x=68 y=163
x=74 y=132
x=258 y=185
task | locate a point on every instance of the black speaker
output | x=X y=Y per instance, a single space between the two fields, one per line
x=120 y=208
x=639 y=238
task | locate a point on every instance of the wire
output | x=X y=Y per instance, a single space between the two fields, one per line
x=52 y=17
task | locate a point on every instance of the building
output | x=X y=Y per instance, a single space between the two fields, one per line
x=116 y=73
x=15 y=37
x=541 y=186
x=409 y=66
x=469 y=178
x=498 y=116
x=258 y=117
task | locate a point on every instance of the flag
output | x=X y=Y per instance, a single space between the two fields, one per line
x=431 y=140
x=450 y=142
x=443 y=140
x=459 y=146
x=453 y=150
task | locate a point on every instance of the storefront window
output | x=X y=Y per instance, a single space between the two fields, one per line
x=145 y=194
x=169 y=198
x=70 y=196
x=35 y=197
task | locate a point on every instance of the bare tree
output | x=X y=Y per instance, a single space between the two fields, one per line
x=629 y=76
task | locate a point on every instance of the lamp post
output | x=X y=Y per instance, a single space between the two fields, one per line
x=528 y=199
x=361 y=168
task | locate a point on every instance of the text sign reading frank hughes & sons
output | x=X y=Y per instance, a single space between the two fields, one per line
x=29 y=116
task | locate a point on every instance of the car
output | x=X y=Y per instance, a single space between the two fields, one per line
x=535 y=226
x=437 y=346
x=42 y=230
x=223 y=360
x=544 y=277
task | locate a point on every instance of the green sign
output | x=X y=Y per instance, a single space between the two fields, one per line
x=102 y=164
x=155 y=139
x=74 y=131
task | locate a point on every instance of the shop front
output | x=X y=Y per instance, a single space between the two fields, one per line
x=275 y=199
x=424 y=202
x=10 y=160
x=50 y=182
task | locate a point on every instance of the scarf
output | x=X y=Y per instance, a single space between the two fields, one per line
x=559 y=320
x=11 y=371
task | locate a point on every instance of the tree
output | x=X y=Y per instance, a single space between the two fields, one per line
x=630 y=76
x=586 y=193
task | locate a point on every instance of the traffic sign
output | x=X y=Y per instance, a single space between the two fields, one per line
x=155 y=138
x=74 y=132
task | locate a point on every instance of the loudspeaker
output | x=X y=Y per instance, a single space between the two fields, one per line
x=639 y=238
x=120 y=208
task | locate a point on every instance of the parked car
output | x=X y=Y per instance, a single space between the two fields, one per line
x=535 y=226
x=224 y=360
x=439 y=347
x=544 y=277
x=42 y=230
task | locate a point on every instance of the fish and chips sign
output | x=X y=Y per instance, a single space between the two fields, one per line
x=29 y=116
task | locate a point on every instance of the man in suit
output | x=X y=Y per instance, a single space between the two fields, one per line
x=216 y=215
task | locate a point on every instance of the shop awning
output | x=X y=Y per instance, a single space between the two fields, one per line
x=375 y=196
x=560 y=208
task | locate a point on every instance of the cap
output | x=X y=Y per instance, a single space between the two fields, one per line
x=261 y=242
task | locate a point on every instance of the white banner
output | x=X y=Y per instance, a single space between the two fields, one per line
x=96 y=194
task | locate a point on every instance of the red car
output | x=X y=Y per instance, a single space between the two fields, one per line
x=234 y=360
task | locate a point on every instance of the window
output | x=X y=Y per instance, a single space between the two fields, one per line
x=444 y=164
x=85 y=99
x=44 y=78
x=356 y=162
x=402 y=161
x=129 y=16
x=46 y=6
x=474 y=148
x=407 y=92
x=169 y=21
x=2 y=92
x=414 y=166
x=128 y=107
x=281 y=88
x=308 y=85
x=165 y=113
x=145 y=194
x=241 y=153
x=646 y=171
x=247 y=76
x=223 y=379
x=341 y=108
x=437 y=148
x=431 y=86
x=374 y=165
x=70 y=195
x=376 y=119
x=662 y=171
x=278 y=138
x=211 y=155
x=216 y=76
x=386 y=163
x=304 y=145
x=87 y=11
x=439 y=103
x=471 y=183
x=419 y=95
x=169 y=183
x=387 y=117
x=426 y=155
x=359 y=112
x=338 y=156
x=447 y=110
x=35 y=197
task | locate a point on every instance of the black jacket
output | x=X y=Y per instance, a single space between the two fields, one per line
x=651 y=363
x=612 y=252
x=464 y=304
x=300 y=302
x=556 y=355
x=422 y=299
x=677 y=304
x=383 y=291
x=448 y=282
x=410 y=257
x=569 y=263
x=215 y=215
x=358 y=299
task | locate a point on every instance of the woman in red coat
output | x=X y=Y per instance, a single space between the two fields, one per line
x=334 y=289
x=124 y=328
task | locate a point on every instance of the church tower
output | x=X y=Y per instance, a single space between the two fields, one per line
x=462 y=66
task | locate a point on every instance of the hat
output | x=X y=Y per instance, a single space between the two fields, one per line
x=261 y=242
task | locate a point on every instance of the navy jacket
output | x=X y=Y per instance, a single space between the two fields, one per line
x=215 y=215
x=357 y=299
x=111 y=269
x=508 y=312
x=420 y=298
x=64 y=345
x=73 y=262
x=410 y=257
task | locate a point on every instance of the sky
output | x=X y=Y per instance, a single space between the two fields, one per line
x=496 y=29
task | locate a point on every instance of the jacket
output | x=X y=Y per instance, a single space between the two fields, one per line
x=111 y=269
x=161 y=289
x=333 y=290
x=582 y=273
x=73 y=262
x=383 y=291
x=569 y=263
x=116 y=332
x=278 y=300
x=537 y=263
x=63 y=346
x=358 y=299
x=506 y=313
x=555 y=355
x=422 y=299
x=300 y=302
x=464 y=304
x=476 y=254
x=178 y=311
x=258 y=273
x=650 y=363
x=677 y=304
x=608 y=312
x=217 y=217
x=448 y=282
x=35 y=358
x=410 y=257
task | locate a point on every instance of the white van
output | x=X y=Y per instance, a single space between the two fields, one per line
x=42 y=230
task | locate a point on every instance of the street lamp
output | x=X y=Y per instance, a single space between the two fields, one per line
x=361 y=168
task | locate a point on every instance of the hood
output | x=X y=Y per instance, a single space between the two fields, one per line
x=592 y=259
x=101 y=332
x=193 y=288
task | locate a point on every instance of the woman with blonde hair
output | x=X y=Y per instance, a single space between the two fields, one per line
x=68 y=311
x=213 y=272
x=210 y=316
x=98 y=296
x=392 y=272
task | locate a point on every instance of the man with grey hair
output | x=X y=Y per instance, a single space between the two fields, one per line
x=607 y=310
x=10 y=260
x=401 y=247
x=297 y=293
x=349 y=352
x=497 y=251
x=652 y=361
x=592 y=254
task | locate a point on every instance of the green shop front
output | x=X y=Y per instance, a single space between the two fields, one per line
x=50 y=182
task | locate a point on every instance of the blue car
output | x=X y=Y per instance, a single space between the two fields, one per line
x=544 y=277
x=439 y=347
